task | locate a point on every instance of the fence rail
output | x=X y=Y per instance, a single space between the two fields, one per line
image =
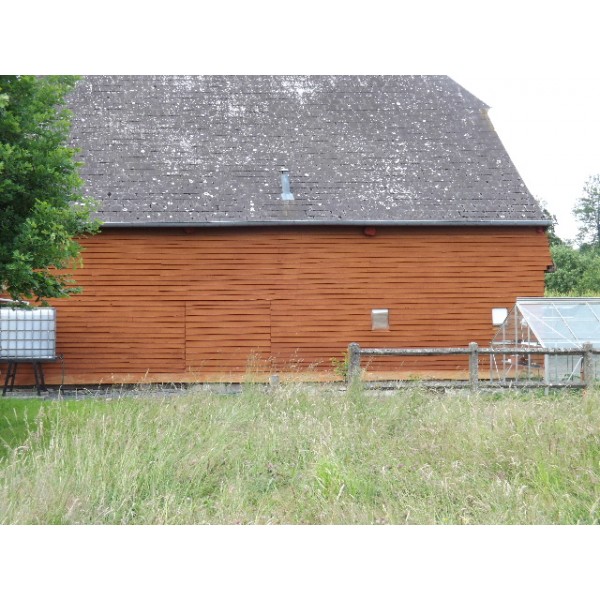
x=473 y=351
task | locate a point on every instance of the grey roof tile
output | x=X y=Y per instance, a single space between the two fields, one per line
x=208 y=149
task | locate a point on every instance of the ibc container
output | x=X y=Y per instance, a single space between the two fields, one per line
x=27 y=333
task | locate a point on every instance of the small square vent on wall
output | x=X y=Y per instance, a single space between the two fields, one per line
x=380 y=319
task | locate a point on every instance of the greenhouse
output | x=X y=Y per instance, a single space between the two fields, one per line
x=549 y=324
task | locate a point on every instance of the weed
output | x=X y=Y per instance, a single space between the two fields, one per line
x=341 y=366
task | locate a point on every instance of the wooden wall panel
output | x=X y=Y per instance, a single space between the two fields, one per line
x=227 y=336
x=166 y=304
x=110 y=340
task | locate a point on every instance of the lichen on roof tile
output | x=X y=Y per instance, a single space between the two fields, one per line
x=163 y=149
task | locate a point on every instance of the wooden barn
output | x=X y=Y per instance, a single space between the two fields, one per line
x=261 y=223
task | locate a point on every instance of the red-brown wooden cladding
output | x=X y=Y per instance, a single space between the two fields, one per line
x=213 y=342
x=170 y=305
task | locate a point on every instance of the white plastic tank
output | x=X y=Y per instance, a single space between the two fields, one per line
x=27 y=333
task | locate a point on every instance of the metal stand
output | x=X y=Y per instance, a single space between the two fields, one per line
x=38 y=371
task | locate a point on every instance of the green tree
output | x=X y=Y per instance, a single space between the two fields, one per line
x=569 y=267
x=576 y=272
x=590 y=280
x=41 y=207
x=587 y=212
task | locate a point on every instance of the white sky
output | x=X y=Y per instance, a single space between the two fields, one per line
x=536 y=64
x=550 y=126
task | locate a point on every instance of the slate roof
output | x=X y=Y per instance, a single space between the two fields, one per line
x=207 y=150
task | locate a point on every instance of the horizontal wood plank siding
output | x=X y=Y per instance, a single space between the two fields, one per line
x=228 y=336
x=126 y=336
x=166 y=304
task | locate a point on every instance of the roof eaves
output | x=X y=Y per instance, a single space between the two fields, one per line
x=366 y=222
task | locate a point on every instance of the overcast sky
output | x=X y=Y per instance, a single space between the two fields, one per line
x=551 y=128
x=535 y=64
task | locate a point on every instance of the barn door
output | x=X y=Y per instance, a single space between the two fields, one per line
x=228 y=336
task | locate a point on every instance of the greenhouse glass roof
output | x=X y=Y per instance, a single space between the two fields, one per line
x=565 y=323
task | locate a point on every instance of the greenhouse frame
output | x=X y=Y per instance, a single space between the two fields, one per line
x=561 y=324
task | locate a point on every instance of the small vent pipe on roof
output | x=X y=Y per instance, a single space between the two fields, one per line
x=286 y=193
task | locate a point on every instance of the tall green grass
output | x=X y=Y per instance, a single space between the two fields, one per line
x=302 y=454
x=16 y=420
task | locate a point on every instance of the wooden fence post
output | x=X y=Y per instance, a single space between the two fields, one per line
x=588 y=365
x=353 y=363
x=474 y=365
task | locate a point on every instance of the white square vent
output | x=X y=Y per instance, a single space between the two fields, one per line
x=380 y=319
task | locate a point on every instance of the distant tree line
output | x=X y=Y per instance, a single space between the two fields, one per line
x=577 y=262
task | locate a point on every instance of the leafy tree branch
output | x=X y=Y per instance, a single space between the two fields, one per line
x=43 y=212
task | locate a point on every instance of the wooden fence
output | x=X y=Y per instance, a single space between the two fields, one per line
x=355 y=352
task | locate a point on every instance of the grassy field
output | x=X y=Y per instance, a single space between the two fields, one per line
x=302 y=454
